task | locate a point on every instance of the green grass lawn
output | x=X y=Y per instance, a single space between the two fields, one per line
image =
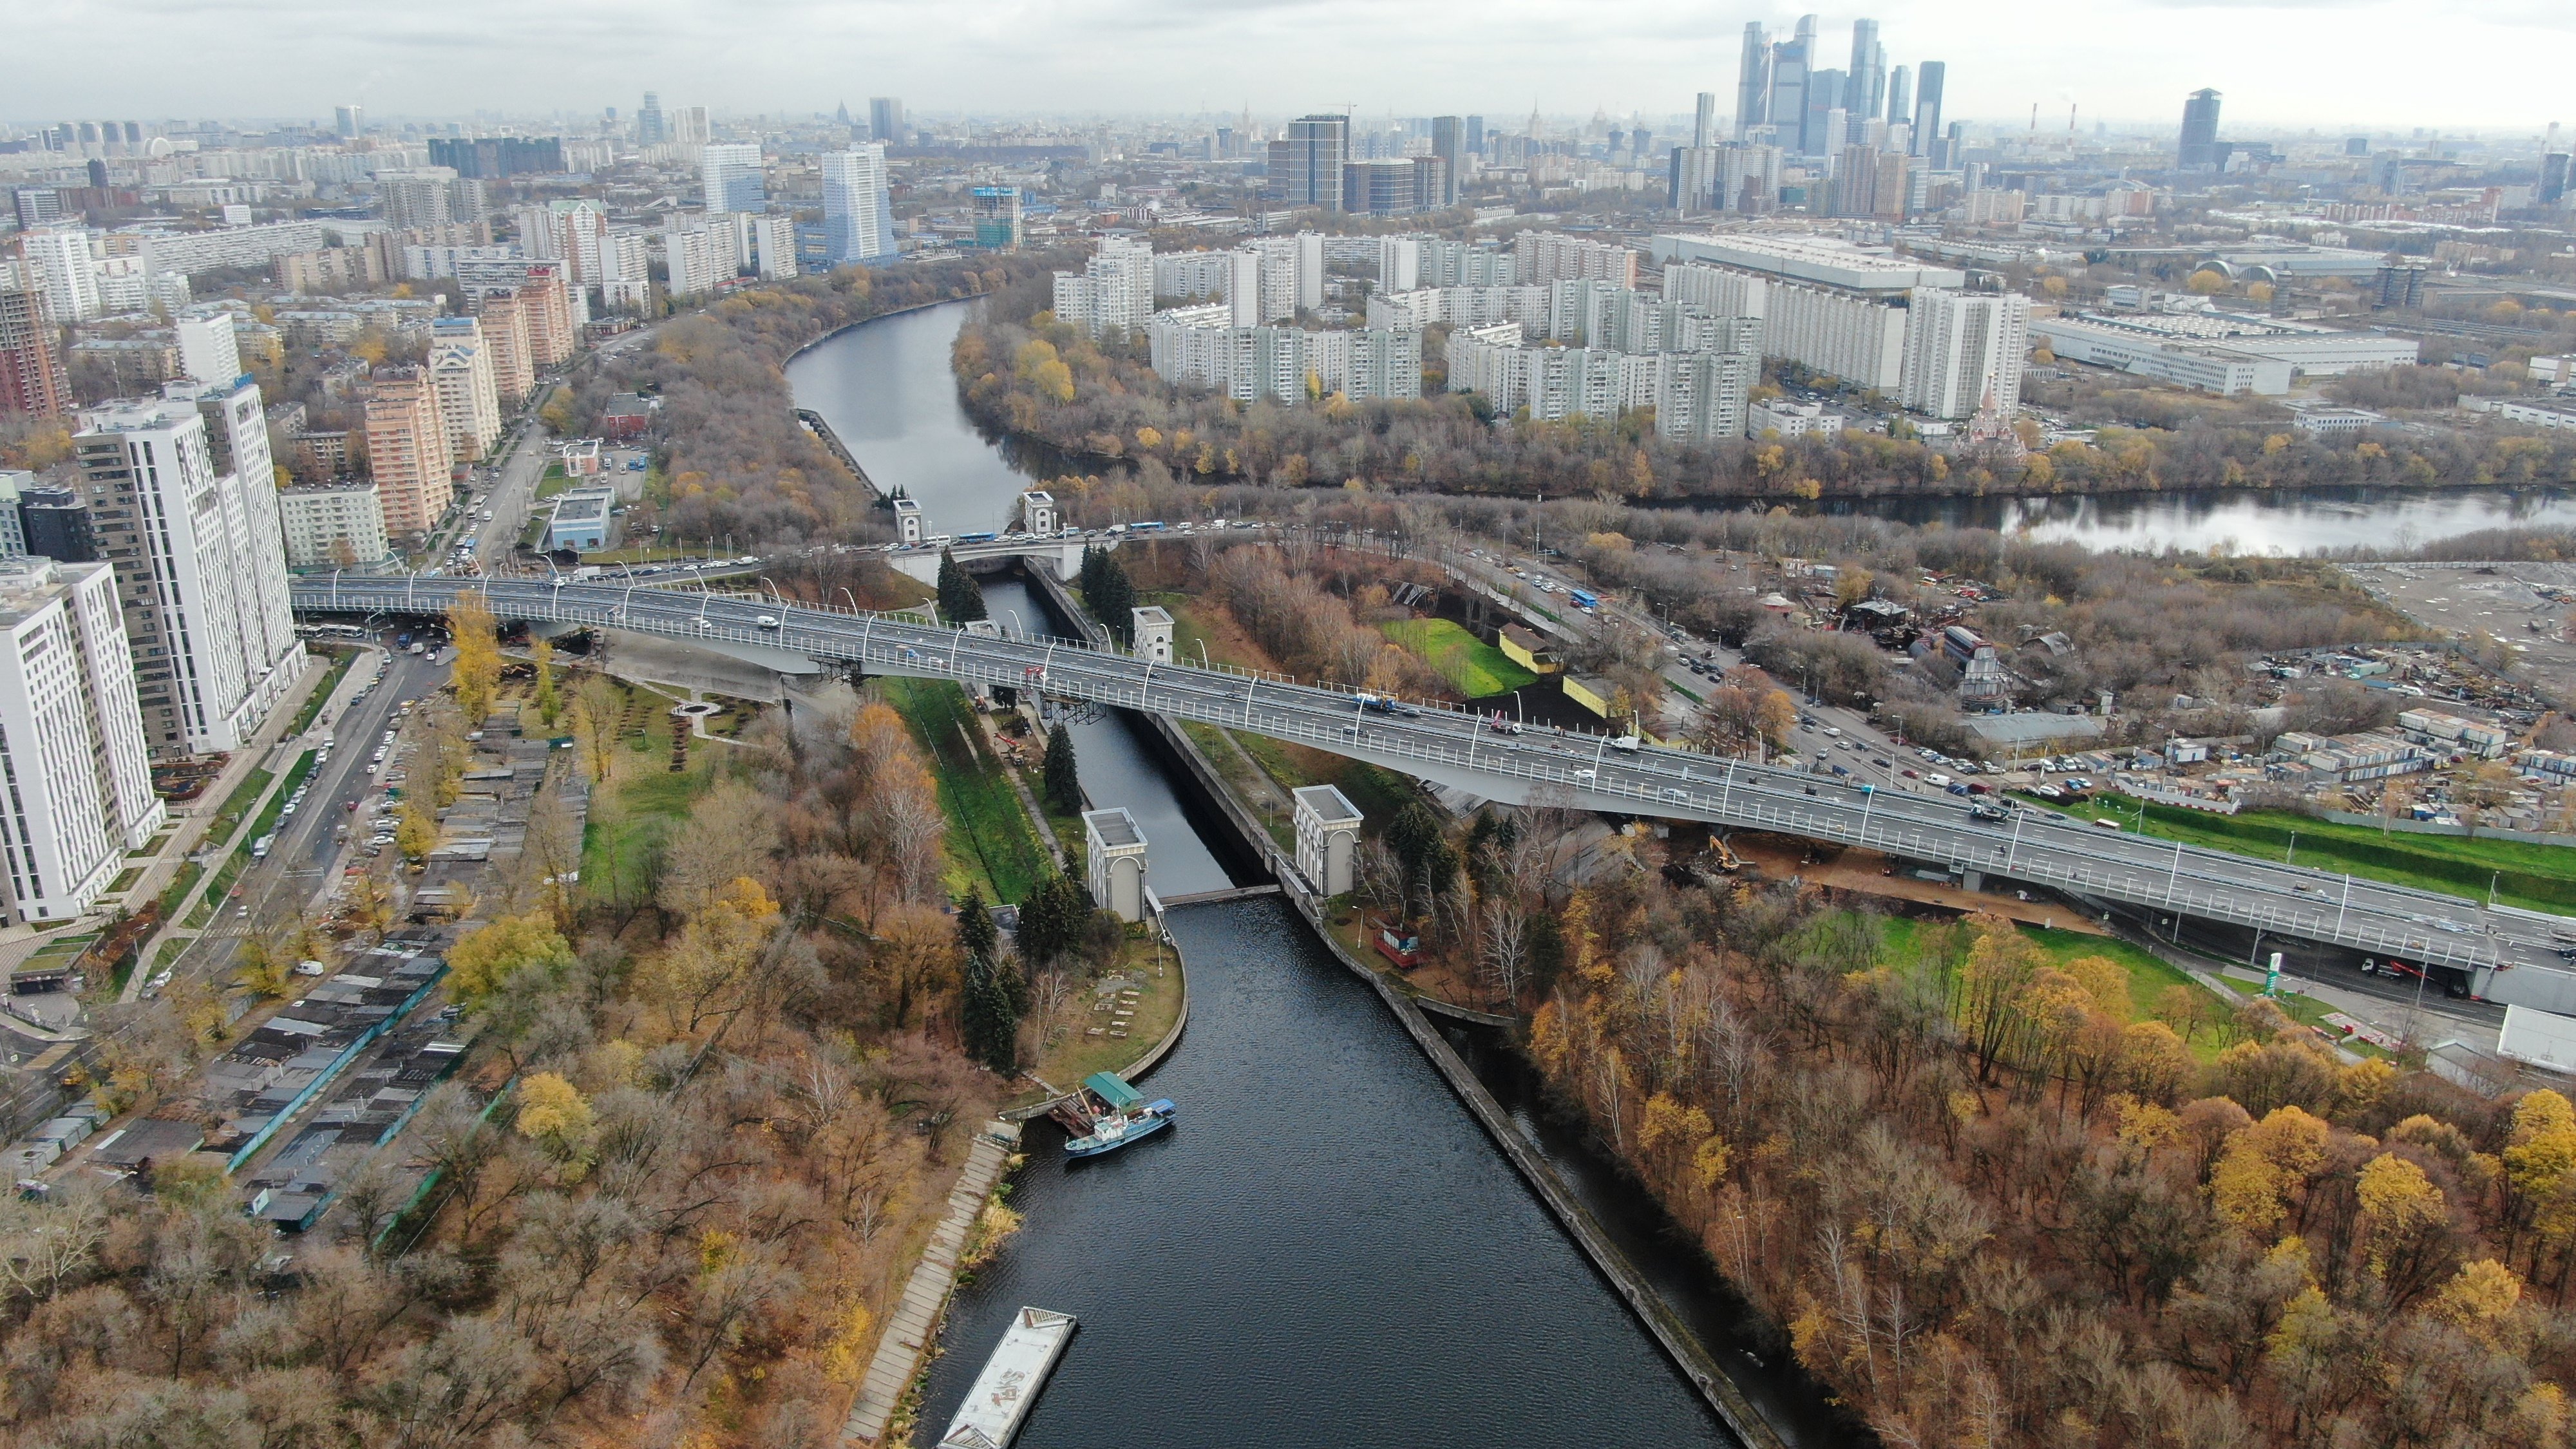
x=2149 y=975
x=212 y=902
x=2534 y=877
x=991 y=842
x=1067 y=1059
x=631 y=816
x=322 y=692
x=177 y=890
x=236 y=805
x=1477 y=668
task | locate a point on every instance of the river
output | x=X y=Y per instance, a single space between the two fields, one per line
x=1326 y=1250
x=888 y=392
x=2250 y=521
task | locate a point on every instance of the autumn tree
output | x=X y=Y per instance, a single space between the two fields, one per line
x=476 y=670
x=490 y=959
x=598 y=714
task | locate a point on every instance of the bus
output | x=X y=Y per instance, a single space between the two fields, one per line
x=977 y=537
x=1582 y=600
x=330 y=631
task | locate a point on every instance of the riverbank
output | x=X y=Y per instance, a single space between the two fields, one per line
x=914 y=1326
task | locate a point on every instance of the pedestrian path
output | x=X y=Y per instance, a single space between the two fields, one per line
x=915 y=1323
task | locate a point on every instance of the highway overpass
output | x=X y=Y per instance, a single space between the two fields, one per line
x=2508 y=956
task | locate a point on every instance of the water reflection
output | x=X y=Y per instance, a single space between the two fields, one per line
x=2243 y=520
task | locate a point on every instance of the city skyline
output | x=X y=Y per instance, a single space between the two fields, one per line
x=1275 y=57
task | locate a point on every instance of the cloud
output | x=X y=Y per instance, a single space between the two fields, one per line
x=2127 y=58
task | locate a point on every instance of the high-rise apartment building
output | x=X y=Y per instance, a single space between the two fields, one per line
x=460 y=377
x=332 y=526
x=350 y=121
x=1870 y=182
x=885 y=120
x=503 y=320
x=419 y=197
x=56 y=523
x=1113 y=294
x=1449 y=143
x=1927 y=112
x=1394 y=187
x=858 y=218
x=553 y=323
x=731 y=175
x=2199 y=130
x=187 y=513
x=57 y=263
x=208 y=351
x=1963 y=351
x=407 y=449
x=690 y=126
x=32 y=379
x=72 y=741
x=698 y=258
x=649 y=127
x=1546 y=256
x=1306 y=165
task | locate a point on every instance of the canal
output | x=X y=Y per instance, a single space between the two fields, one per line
x=1326 y=1250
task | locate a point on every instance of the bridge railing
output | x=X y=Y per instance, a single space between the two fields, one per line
x=1661 y=781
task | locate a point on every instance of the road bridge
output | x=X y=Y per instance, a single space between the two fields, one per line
x=2508 y=956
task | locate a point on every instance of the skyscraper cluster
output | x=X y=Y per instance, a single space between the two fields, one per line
x=1787 y=95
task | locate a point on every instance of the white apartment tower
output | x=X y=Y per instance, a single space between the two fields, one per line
x=208 y=350
x=200 y=562
x=71 y=738
x=58 y=265
x=731 y=175
x=858 y=220
x=1963 y=351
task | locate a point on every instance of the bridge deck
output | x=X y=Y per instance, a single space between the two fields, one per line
x=1453 y=747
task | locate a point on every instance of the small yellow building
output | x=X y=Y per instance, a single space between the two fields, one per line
x=1590 y=691
x=1525 y=648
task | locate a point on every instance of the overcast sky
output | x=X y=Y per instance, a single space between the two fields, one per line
x=2389 y=65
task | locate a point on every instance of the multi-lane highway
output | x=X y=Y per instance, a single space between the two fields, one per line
x=2509 y=956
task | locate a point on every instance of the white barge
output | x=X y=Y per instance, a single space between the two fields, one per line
x=1009 y=1384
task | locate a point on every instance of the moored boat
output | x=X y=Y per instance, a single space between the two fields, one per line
x=1007 y=1388
x=1109 y=1114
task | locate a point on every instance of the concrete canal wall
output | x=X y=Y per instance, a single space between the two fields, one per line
x=915 y=1324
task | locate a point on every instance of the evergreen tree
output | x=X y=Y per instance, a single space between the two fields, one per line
x=989 y=1007
x=1053 y=919
x=1421 y=847
x=976 y=934
x=961 y=599
x=1063 y=780
x=1107 y=592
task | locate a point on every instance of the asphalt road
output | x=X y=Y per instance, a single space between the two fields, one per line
x=275 y=890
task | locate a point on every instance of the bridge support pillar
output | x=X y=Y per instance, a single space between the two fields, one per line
x=1972 y=880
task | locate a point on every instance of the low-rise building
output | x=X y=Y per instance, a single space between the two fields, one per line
x=1114 y=860
x=1791 y=419
x=583 y=520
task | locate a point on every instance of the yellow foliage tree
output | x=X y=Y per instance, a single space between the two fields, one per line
x=477 y=667
x=556 y=1116
x=485 y=960
x=2398 y=1205
x=416 y=832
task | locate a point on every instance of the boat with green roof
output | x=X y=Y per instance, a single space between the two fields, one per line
x=1110 y=1114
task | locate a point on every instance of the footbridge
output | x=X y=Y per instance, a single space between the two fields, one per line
x=2508 y=955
